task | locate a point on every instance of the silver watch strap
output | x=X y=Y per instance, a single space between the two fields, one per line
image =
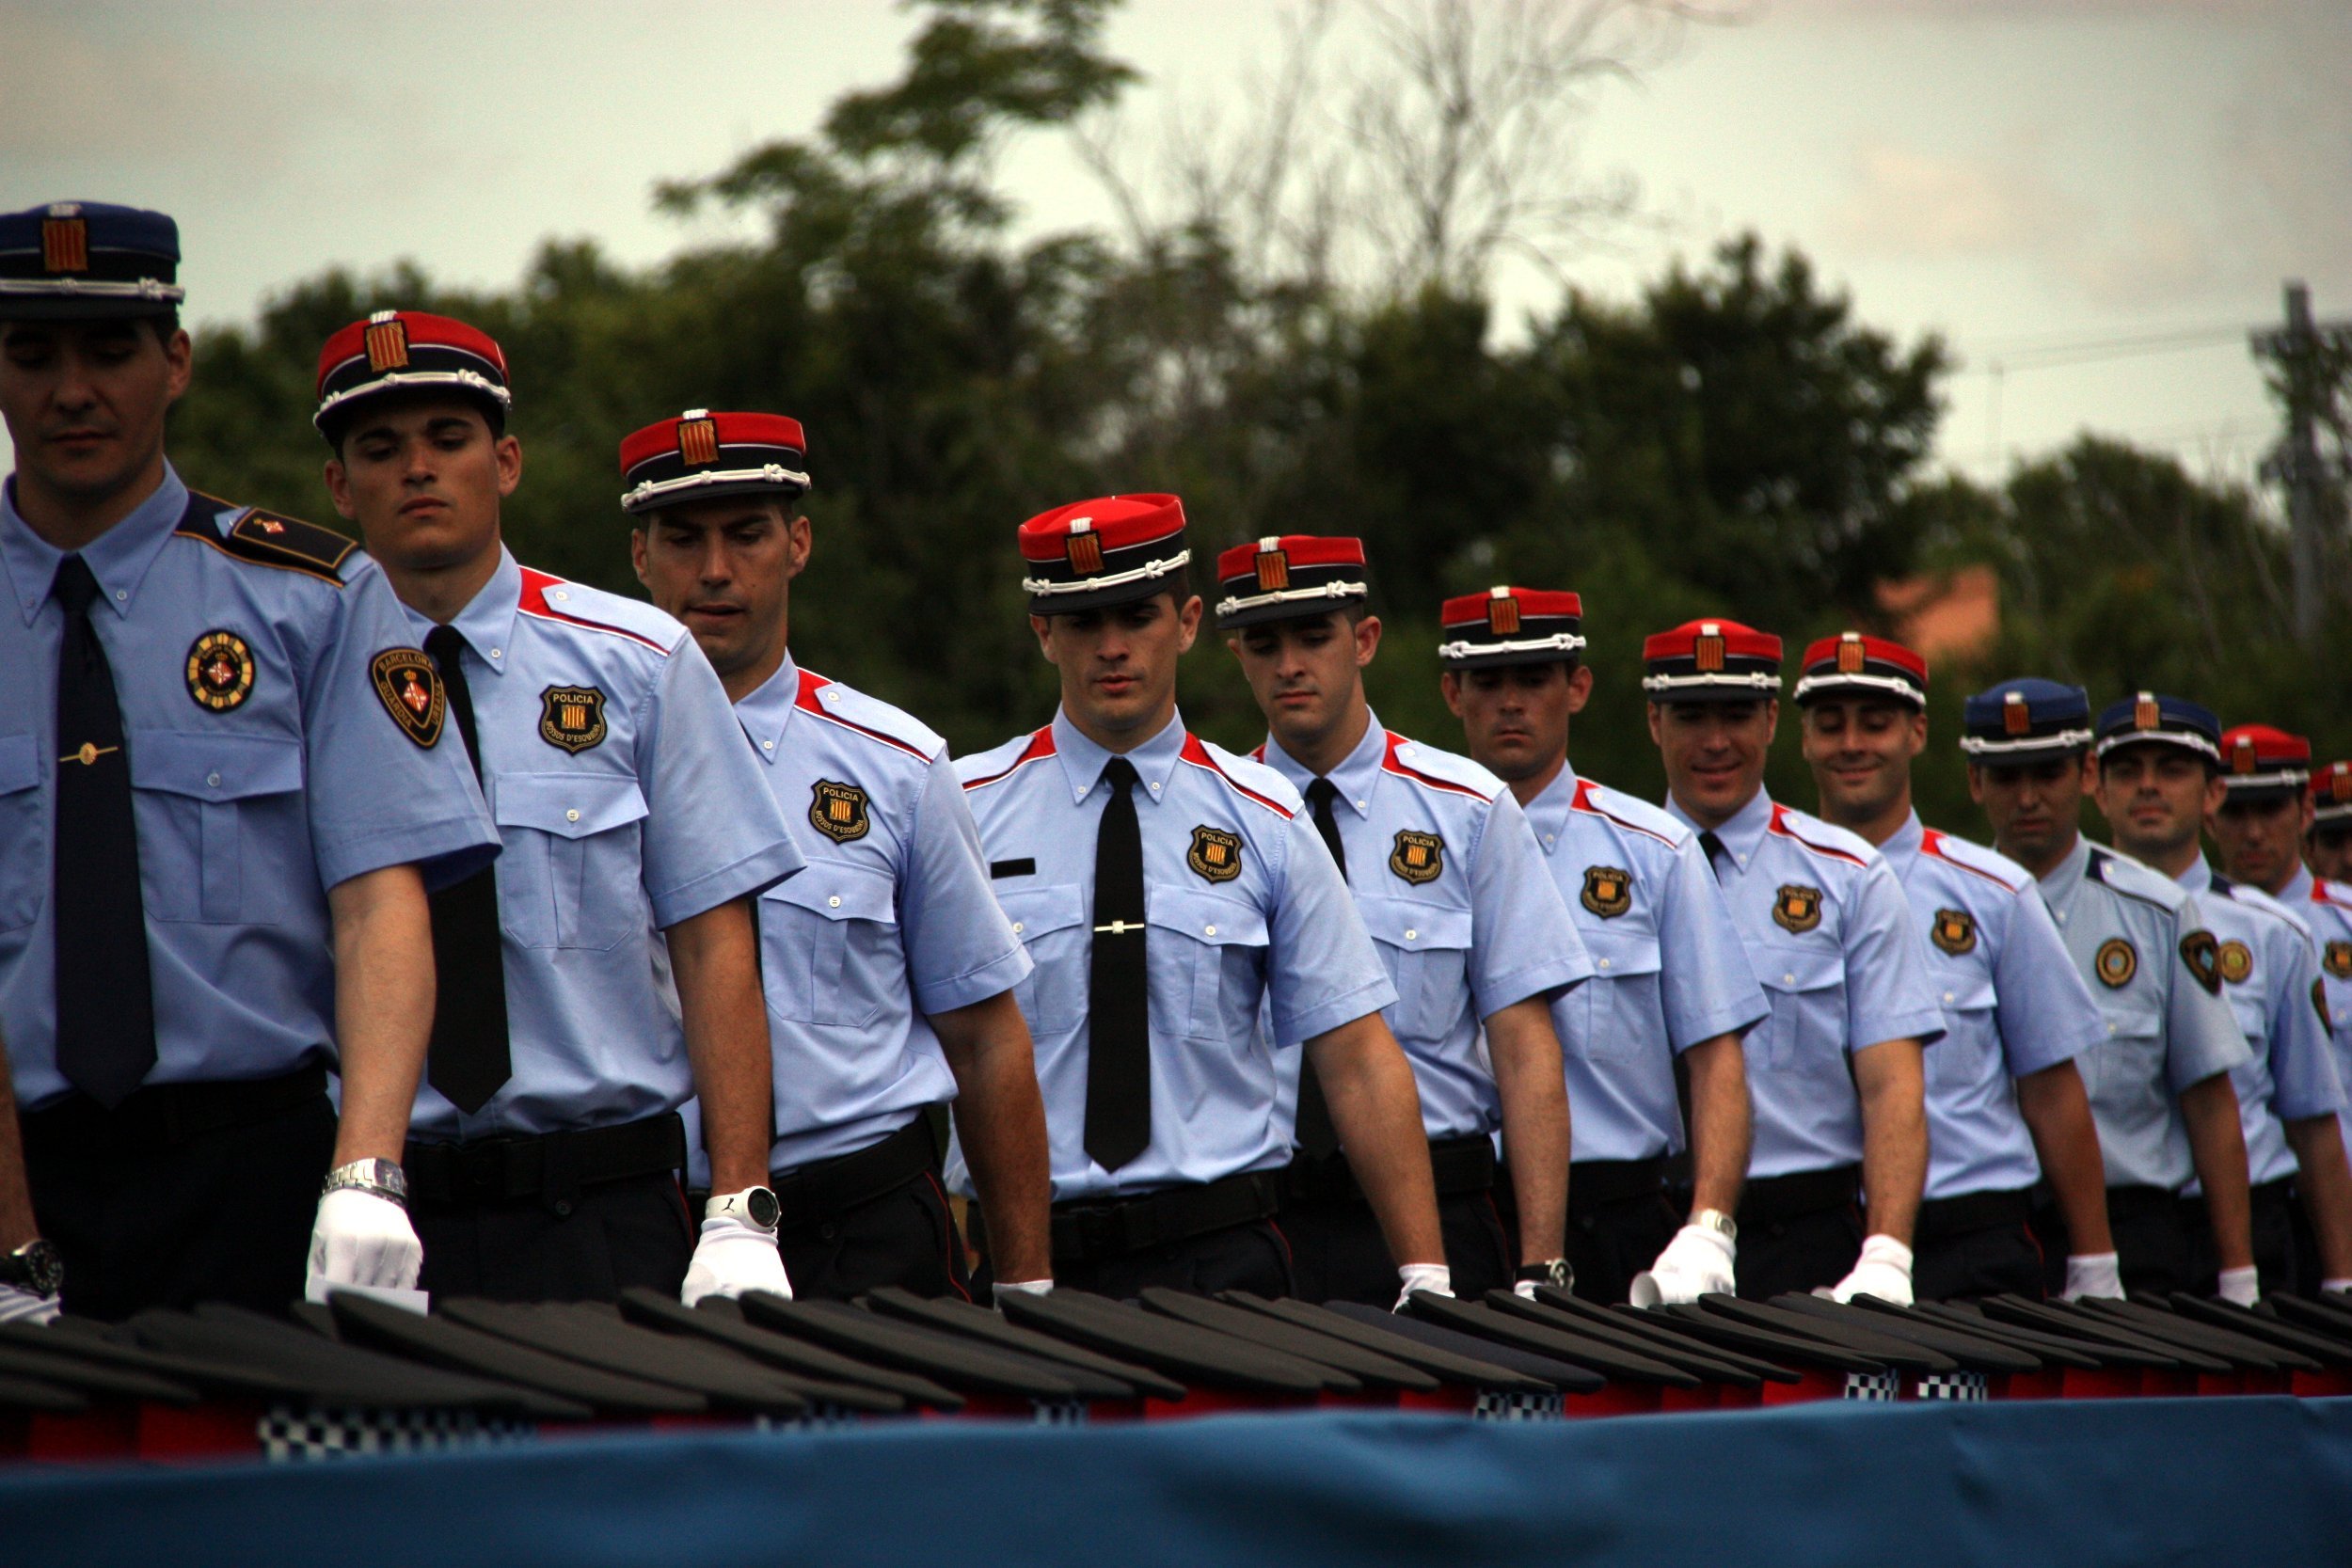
x=383 y=1178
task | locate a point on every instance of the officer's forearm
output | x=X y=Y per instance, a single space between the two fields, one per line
x=1892 y=1082
x=1001 y=1122
x=717 y=966
x=16 y=1194
x=384 y=999
x=1533 y=1087
x=1376 y=1110
x=1720 y=1123
x=2326 y=1184
x=2058 y=1114
x=2217 y=1142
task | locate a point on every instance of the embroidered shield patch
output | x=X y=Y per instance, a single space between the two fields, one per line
x=2117 y=962
x=838 y=811
x=571 y=718
x=220 y=671
x=1215 y=855
x=1418 y=857
x=2235 y=961
x=1608 y=890
x=1954 y=931
x=2319 y=1001
x=1798 y=909
x=410 y=690
x=2338 y=959
x=2202 y=954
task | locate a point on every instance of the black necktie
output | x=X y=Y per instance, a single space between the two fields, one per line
x=1317 y=1137
x=106 y=1004
x=1715 y=851
x=468 y=1059
x=1119 y=1036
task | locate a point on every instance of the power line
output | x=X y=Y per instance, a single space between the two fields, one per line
x=2089 y=350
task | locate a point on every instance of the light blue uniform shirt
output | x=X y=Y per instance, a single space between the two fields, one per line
x=1468 y=926
x=648 y=812
x=1667 y=971
x=246 y=812
x=2270 y=977
x=2327 y=907
x=2124 y=925
x=1281 y=930
x=2013 y=1005
x=1829 y=937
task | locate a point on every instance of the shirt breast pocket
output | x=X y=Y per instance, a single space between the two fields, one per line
x=828 y=942
x=1426 y=948
x=218 y=793
x=1621 y=1002
x=1218 y=948
x=2134 y=1050
x=1958 y=1060
x=24 y=845
x=571 y=872
x=1051 y=924
x=1806 y=987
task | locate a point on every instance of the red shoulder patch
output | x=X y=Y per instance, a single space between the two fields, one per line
x=1040 y=745
x=1780 y=825
x=806 y=701
x=1591 y=807
x=1197 y=754
x=1391 y=762
x=1931 y=842
x=535 y=603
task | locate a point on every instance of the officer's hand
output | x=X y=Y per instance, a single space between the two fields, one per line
x=1697 y=1262
x=2092 y=1274
x=734 y=1256
x=360 y=1239
x=22 y=1307
x=1025 y=1287
x=1884 y=1270
x=2243 y=1285
x=1434 y=1278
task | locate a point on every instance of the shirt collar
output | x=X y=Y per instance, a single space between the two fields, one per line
x=1082 y=760
x=1547 y=813
x=119 y=558
x=766 y=710
x=1903 y=846
x=2299 y=887
x=2197 y=876
x=488 y=621
x=1356 y=775
x=1742 y=835
x=2065 y=876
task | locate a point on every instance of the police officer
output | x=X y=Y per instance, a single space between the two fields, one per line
x=2288 y=1093
x=216 y=825
x=2328 y=837
x=1835 y=1072
x=1668 y=992
x=2160 y=1089
x=547 y=1142
x=888 y=968
x=2006 y=1105
x=1165 y=889
x=1449 y=881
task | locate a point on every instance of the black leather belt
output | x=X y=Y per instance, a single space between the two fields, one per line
x=1087 y=1230
x=506 y=1169
x=1597 y=1184
x=826 y=1189
x=175 y=1112
x=2141 y=1202
x=1458 y=1165
x=1964 y=1214
x=1775 y=1200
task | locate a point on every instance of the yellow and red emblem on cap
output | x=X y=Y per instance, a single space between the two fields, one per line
x=408 y=351
x=2331 y=792
x=65 y=244
x=700 y=454
x=1714 y=660
x=388 y=344
x=1111 y=551
x=2146 y=714
x=1273 y=566
x=2016 y=715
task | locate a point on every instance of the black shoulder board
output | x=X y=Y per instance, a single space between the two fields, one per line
x=2222 y=884
x=267 y=538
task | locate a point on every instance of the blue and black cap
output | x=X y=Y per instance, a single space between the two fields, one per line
x=2024 y=722
x=88 y=260
x=2146 y=719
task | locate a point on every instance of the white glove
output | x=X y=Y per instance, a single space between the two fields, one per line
x=1697 y=1262
x=360 y=1239
x=1884 y=1270
x=734 y=1256
x=2243 y=1285
x=22 y=1307
x=2092 y=1274
x=1026 y=1287
x=1434 y=1278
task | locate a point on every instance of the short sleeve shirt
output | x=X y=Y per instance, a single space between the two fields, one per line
x=2327 y=907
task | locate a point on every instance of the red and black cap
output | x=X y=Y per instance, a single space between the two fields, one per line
x=1282 y=577
x=701 y=454
x=2260 y=763
x=1717 y=661
x=1112 y=550
x=404 y=350
x=88 y=260
x=1853 y=665
x=1511 y=625
x=2332 y=793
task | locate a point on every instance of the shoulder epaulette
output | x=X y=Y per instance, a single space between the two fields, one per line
x=267 y=538
x=1941 y=845
x=1423 y=768
x=2097 y=871
x=1196 y=752
x=547 y=598
x=2321 y=893
x=825 y=699
x=1781 y=824
x=1022 y=751
x=1588 y=800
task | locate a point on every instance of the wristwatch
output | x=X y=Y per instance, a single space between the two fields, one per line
x=755 y=1206
x=383 y=1178
x=1716 y=1221
x=1556 y=1272
x=35 y=1267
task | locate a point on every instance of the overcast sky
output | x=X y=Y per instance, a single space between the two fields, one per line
x=2034 y=179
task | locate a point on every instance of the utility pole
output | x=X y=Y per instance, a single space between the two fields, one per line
x=2309 y=392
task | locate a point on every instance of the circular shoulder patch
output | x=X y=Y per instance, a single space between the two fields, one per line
x=2117 y=962
x=2339 y=959
x=220 y=671
x=2235 y=961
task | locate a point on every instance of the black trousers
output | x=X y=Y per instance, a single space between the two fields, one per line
x=906 y=1236
x=1611 y=1243
x=2273 y=1226
x=590 y=1245
x=2153 y=1249
x=1799 y=1253
x=1337 y=1253
x=1255 y=1257
x=2309 y=1269
x=1999 y=1259
x=142 y=1219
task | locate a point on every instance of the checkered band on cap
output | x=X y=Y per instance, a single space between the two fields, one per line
x=1853 y=664
x=398 y=351
x=1111 y=551
x=1284 y=576
x=701 y=454
x=1507 y=626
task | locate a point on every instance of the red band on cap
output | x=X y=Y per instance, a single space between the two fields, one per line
x=1472 y=610
x=1117 y=522
x=1292 y=549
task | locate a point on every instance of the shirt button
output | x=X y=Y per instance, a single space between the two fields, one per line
x=212 y=779
x=561 y=595
x=1410 y=936
x=498 y=653
x=121 y=595
x=1788 y=979
x=1360 y=807
x=833 y=902
x=1155 y=789
x=1948 y=996
x=1208 y=930
x=1604 y=963
x=1017 y=927
x=767 y=745
x=2111 y=1028
x=571 y=817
